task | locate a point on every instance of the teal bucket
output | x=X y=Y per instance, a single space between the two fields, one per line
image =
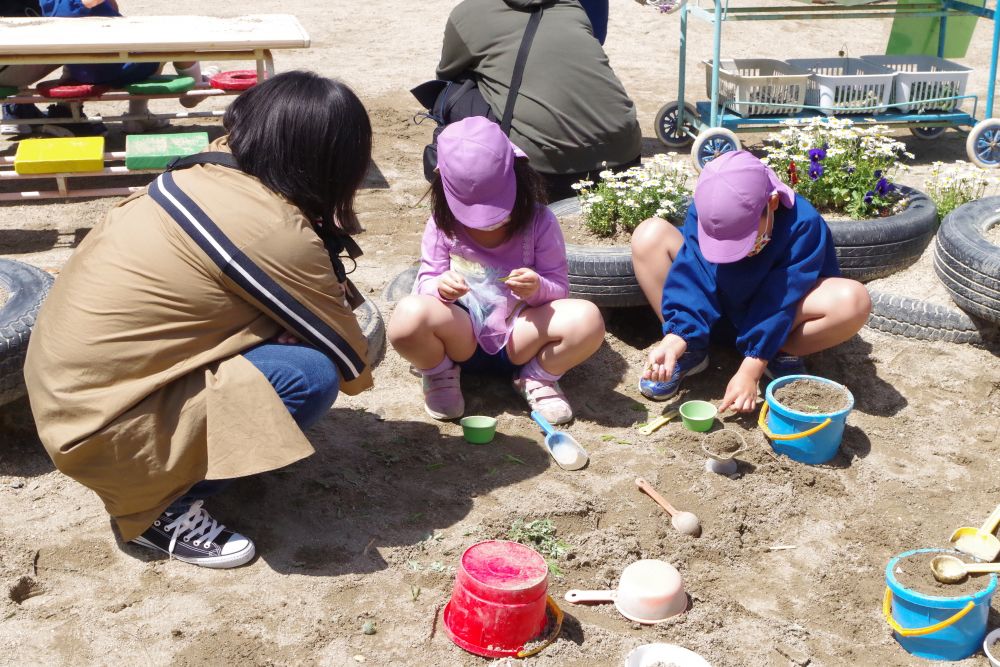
x=932 y=627
x=804 y=437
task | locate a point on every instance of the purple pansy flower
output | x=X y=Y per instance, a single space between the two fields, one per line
x=817 y=154
x=815 y=170
x=869 y=196
x=883 y=187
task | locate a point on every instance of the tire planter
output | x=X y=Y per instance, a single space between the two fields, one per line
x=968 y=264
x=870 y=249
x=602 y=274
x=913 y=318
x=22 y=289
x=373 y=328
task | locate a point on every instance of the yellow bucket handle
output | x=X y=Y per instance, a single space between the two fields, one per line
x=920 y=632
x=556 y=628
x=762 y=422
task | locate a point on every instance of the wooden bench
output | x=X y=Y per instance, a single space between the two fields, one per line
x=167 y=39
x=59 y=41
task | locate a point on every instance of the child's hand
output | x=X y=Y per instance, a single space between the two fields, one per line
x=663 y=357
x=523 y=282
x=451 y=285
x=286 y=338
x=741 y=393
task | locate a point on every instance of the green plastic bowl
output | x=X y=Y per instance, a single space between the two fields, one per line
x=698 y=415
x=479 y=430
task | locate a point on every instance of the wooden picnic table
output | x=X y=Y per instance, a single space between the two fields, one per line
x=56 y=41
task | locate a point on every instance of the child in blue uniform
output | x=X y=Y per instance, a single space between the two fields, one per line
x=753 y=265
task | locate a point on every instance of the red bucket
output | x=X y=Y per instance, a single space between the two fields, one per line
x=499 y=600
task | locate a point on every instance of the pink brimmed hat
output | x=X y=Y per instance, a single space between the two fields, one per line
x=476 y=163
x=730 y=197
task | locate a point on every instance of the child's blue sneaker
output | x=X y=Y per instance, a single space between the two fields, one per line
x=690 y=363
x=783 y=365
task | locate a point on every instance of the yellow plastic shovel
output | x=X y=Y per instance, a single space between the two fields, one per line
x=979 y=542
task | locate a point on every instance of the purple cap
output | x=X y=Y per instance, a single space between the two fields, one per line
x=476 y=163
x=730 y=197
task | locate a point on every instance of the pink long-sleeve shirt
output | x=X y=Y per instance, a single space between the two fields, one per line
x=540 y=247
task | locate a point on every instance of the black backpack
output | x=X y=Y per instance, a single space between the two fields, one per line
x=20 y=8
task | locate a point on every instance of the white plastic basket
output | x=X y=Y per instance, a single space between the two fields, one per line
x=758 y=86
x=846 y=85
x=920 y=78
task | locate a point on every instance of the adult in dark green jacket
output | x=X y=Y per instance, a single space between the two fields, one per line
x=572 y=114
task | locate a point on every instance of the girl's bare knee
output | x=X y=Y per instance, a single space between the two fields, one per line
x=408 y=318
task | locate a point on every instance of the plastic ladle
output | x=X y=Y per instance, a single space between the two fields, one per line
x=683 y=522
x=979 y=542
x=951 y=570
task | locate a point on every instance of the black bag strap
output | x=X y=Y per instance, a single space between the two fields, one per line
x=220 y=158
x=333 y=239
x=522 y=58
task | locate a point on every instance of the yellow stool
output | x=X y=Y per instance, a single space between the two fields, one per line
x=60 y=155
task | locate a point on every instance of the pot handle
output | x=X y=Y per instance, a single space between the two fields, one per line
x=557 y=619
x=920 y=632
x=762 y=423
x=576 y=596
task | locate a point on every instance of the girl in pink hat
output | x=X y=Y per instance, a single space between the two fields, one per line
x=754 y=265
x=490 y=294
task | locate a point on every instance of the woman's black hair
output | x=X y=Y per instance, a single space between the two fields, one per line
x=307 y=138
x=531 y=193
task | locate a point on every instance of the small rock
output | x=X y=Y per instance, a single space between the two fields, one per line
x=368 y=627
x=17 y=484
x=176 y=633
x=359 y=658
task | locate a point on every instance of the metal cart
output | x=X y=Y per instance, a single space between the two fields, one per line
x=712 y=127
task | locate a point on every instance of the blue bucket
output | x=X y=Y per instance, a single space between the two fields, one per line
x=803 y=437
x=932 y=627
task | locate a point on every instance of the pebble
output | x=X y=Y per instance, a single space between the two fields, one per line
x=359 y=658
x=17 y=484
x=368 y=627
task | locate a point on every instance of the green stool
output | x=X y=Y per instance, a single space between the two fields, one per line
x=162 y=84
x=156 y=151
x=7 y=91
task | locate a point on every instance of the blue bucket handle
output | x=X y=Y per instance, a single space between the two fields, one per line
x=762 y=422
x=920 y=632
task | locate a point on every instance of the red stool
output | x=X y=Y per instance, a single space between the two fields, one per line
x=70 y=89
x=239 y=79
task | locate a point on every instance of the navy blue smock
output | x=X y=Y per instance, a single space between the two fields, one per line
x=755 y=297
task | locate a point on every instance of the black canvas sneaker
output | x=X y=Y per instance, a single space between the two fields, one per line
x=195 y=537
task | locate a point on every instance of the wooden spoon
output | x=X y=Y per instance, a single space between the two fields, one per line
x=683 y=522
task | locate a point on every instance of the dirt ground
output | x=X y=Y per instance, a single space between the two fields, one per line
x=372 y=526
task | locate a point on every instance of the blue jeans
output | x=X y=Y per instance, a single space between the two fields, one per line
x=306 y=382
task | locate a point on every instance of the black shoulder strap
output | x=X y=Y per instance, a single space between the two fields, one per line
x=220 y=158
x=522 y=58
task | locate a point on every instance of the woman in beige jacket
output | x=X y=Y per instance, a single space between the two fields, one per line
x=198 y=328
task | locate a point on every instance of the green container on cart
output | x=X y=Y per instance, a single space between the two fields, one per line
x=916 y=36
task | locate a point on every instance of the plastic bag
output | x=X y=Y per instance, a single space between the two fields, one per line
x=489 y=303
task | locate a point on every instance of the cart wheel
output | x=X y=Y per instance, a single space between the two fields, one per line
x=983 y=144
x=667 y=131
x=712 y=143
x=927 y=133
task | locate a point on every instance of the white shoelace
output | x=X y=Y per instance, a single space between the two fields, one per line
x=195 y=521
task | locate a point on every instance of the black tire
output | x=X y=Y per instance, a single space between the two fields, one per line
x=913 y=318
x=870 y=249
x=373 y=327
x=400 y=286
x=601 y=274
x=24 y=287
x=968 y=264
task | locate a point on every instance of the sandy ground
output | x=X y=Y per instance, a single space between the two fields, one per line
x=371 y=527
